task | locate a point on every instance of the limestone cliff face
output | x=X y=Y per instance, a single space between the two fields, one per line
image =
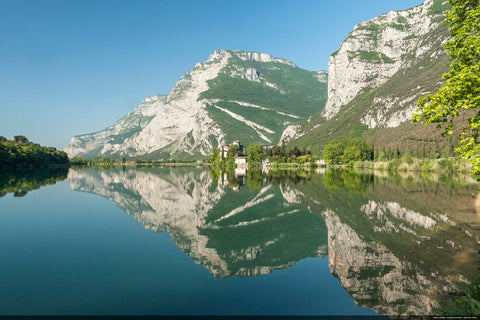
x=108 y=140
x=178 y=120
x=375 y=50
x=375 y=79
x=209 y=106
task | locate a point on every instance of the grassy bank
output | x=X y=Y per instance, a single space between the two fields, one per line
x=292 y=165
x=443 y=165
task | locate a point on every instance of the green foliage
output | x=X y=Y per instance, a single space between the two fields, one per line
x=20 y=182
x=215 y=156
x=348 y=151
x=255 y=154
x=466 y=303
x=20 y=139
x=351 y=154
x=371 y=26
x=449 y=164
x=461 y=90
x=426 y=166
x=298 y=92
x=79 y=161
x=394 y=164
x=254 y=178
x=21 y=153
x=402 y=20
x=438 y=7
x=233 y=151
x=407 y=157
x=376 y=57
x=333 y=152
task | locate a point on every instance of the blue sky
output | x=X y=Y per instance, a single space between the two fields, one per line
x=73 y=67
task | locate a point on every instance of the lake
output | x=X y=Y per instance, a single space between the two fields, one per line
x=188 y=241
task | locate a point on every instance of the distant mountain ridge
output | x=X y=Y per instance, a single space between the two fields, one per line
x=375 y=79
x=248 y=96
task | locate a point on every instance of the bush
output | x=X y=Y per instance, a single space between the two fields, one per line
x=394 y=164
x=426 y=167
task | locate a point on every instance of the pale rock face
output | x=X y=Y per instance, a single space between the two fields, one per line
x=261 y=57
x=349 y=72
x=138 y=118
x=183 y=113
x=290 y=133
x=378 y=115
x=250 y=74
x=179 y=122
x=322 y=76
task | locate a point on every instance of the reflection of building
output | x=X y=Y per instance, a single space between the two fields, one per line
x=241 y=161
x=235 y=182
x=241 y=172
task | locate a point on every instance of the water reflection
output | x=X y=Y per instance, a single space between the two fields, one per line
x=232 y=231
x=398 y=244
x=20 y=182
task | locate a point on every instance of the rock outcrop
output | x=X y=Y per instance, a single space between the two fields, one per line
x=375 y=50
x=233 y=95
x=375 y=80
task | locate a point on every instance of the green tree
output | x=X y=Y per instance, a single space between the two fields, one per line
x=215 y=155
x=461 y=89
x=20 y=139
x=333 y=152
x=233 y=151
x=366 y=150
x=407 y=157
x=351 y=154
x=255 y=153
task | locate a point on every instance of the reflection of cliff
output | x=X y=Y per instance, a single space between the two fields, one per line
x=391 y=251
x=244 y=233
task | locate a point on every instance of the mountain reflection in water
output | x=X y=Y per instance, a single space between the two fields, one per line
x=398 y=245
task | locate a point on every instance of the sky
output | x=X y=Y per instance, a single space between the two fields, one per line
x=76 y=66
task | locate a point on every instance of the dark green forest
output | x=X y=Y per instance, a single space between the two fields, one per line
x=21 y=153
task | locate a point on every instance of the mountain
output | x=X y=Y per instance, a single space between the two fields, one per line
x=375 y=79
x=234 y=95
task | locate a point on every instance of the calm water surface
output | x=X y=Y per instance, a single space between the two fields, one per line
x=186 y=241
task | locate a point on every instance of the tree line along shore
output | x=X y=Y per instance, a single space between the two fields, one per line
x=21 y=153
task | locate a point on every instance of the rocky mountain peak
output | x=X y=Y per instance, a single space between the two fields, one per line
x=210 y=105
x=376 y=49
